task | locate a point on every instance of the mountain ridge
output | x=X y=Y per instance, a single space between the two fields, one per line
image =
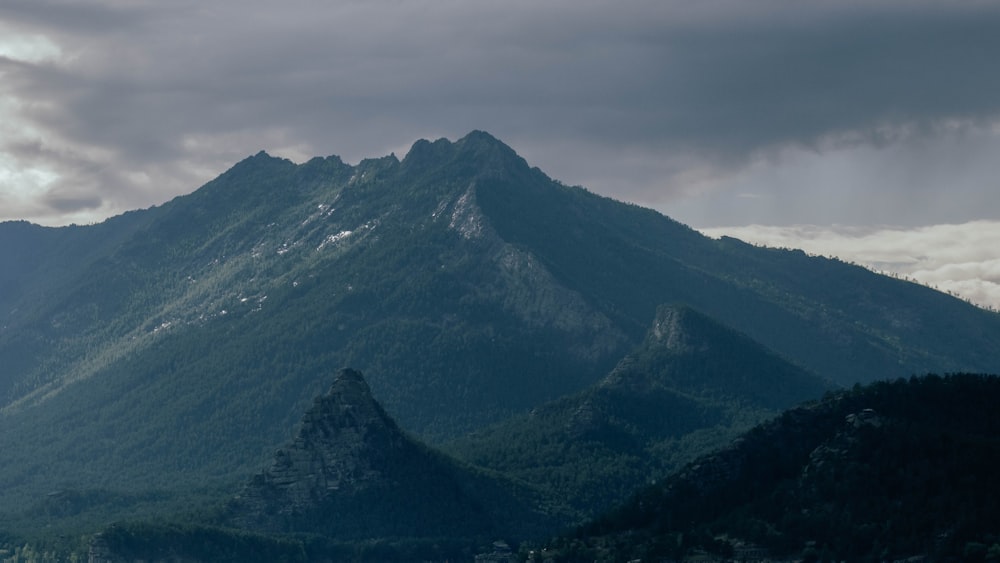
x=180 y=344
x=888 y=471
x=682 y=392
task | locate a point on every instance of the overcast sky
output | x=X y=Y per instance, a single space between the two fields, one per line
x=849 y=118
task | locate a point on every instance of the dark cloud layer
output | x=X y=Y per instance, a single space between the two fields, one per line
x=653 y=101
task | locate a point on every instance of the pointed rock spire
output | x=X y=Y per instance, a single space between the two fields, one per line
x=345 y=442
x=351 y=473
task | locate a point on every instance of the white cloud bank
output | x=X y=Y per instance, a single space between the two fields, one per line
x=963 y=259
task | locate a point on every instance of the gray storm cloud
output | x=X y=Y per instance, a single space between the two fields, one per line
x=648 y=101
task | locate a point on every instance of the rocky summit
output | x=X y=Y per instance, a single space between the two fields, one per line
x=351 y=473
x=346 y=442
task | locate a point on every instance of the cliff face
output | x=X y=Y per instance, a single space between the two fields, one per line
x=351 y=473
x=346 y=443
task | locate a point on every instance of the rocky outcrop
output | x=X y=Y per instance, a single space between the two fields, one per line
x=351 y=473
x=346 y=441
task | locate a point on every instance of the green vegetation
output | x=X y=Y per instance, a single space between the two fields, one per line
x=690 y=388
x=156 y=360
x=350 y=473
x=888 y=471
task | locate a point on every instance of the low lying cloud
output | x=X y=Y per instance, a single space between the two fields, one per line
x=962 y=259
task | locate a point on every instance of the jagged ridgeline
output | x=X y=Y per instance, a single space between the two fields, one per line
x=179 y=345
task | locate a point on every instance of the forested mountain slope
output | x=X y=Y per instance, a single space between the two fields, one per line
x=179 y=344
x=352 y=474
x=885 y=472
x=692 y=386
x=351 y=485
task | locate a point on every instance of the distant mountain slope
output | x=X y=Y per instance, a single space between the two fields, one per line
x=885 y=472
x=35 y=260
x=385 y=264
x=843 y=322
x=178 y=345
x=37 y=265
x=692 y=386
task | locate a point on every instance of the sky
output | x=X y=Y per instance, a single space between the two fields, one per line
x=868 y=129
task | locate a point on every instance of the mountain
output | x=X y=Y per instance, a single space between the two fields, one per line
x=351 y=485
x=692 y=385
x=389 y=263
x=351 y=473
x=167 y=352
x=894 y=470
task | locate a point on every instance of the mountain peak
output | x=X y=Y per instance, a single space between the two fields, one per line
x=477 y=151
x=673 y=328
x=352 y=473
x=690 y=351
x=346 y=412
x=259 y=163
x=482 y=144
x=262 y=156
x=481 y=137
x=350 y=382
x=343 y=444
